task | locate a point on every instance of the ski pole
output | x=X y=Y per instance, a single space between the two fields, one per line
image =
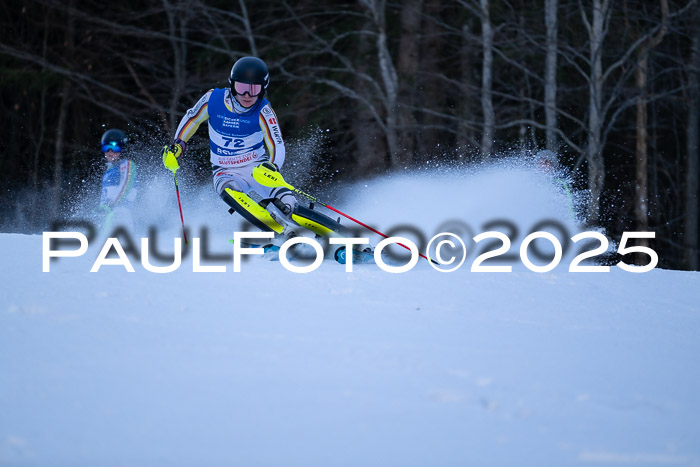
x=272 y=178
x=179 y=205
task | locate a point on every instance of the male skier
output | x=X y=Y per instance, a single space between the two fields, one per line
x=244 y=133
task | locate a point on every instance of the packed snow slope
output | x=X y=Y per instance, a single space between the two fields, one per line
x=332 y=368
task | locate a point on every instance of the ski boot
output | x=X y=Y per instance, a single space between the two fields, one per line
x=363 y=256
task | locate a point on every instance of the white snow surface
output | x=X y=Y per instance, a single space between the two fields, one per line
x=270 y=368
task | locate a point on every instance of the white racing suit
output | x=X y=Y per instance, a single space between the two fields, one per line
x=119 y=188
x=240 y=139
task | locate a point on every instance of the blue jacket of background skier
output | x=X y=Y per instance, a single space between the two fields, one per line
x=119 y=184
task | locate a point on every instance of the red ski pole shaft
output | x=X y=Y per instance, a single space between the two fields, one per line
x=367 y=227
x=179 y=205
x=356 y=221
x=267 y=175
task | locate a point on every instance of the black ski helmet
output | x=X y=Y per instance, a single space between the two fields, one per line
x=115 y=136
x=250 y=70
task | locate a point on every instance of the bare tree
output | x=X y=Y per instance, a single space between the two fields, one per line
x=640 y=77
x=389 y=78
x=369 y=138
x=487 y=80
x=465 y=134
x=407 y=68
x=692 y=174
x=550 y=73
x=248 y=28
x=42 y=116
x=432 y=76
x=346 y=73
x=177 y=31
x=66 y=98
x=597 y=30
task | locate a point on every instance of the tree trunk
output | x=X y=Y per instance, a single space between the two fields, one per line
x=432 y=89
x=486 y=81
x=594 y=156
x=389 y=81
x=370 y=139
x=58 y=149
x=391 y=89
x=248 y=28
x=465 y=138
x=42 y=119
x=40 y=141
x=177 y=29
x=66 y=92
x=691 y=177
x=407 y=68
x=522 y=128
x=641 y=207
x=641 y=72
x=550 y=74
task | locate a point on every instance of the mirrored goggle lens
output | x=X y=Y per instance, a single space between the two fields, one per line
x=252 y=89
x=111 y=147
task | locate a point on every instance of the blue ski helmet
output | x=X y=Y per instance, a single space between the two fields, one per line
x=115 y=140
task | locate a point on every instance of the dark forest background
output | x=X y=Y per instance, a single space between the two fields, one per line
x=610 y=85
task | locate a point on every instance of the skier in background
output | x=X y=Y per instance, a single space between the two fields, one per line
x=119 y=185
x=244 y=133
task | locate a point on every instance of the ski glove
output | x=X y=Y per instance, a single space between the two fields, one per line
x=170 y=155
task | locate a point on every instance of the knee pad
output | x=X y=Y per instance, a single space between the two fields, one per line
x=251 y=211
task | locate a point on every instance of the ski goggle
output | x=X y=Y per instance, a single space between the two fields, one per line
x=113 y=146
x=252 y=89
